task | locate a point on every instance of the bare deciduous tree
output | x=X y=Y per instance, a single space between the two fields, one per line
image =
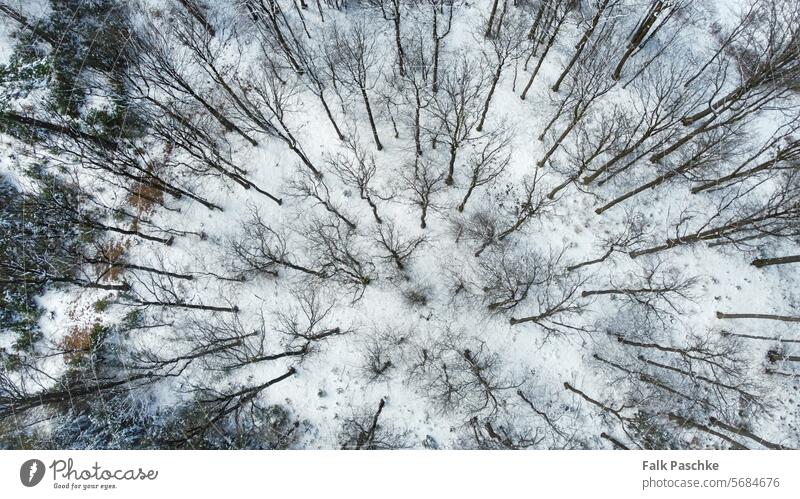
x=487 y=162
x=456 y=109
x=357 y=172
x=353 y=58
x=422 y=183
x=400 y=249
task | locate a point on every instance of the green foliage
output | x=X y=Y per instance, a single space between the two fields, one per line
x=90 y=61
x=650 y=433
x=132 y=320
x=101 y=305
x=98 y=332
x=17 y=439
x=92 y=38
x=114 y=420
x=19 y=77
x=36 y=244
x=271 y=428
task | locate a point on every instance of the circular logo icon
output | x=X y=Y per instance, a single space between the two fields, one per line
x=31 y=472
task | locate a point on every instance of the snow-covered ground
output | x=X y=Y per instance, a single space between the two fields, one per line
x=453 y=371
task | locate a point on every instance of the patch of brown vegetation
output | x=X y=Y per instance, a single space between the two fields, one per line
x=111 y=251
x=77 y=342
x=143 y=197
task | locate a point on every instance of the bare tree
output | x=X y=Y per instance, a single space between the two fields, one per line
x=415 y=87
x=508 y=275
x=196 y=11
x=549 y=21
x=157 y=290
x=780 y=151
x=356 y=171
x=365 y=431
x=268 y=100
x=711 y=149
x=493 y=434
x=632 y=232
x=659 y=101
x=306 y=323
x=460 y=375
x=396 y=11
x=654 y=19
x=353 y=58
x=588 y=85
x=23 y=21
x=531 y=205
x=275 y=31
x=602 y=8
x=740 y=223
x=659 y=289
x=422 y=184
x=307 y=186
x=480 y=226
x=456 y=109
x=400 y=249
x=441 y=25
x=335 y=250
x=506 y=44
x=167 y=70
x=555 y=301
x=598 y=134
x=487 y=162
x=262 y=249
x=768 y=52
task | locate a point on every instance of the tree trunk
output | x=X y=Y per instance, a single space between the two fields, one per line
x=397 y=38
x=417 y=126
x=618 y=157
x=581 y=44
x=745 y=433
x=97 y=261
x=688 y=423
x=649 y=185
x=490 y=22
x=22 y=20
x=192 y=306
x=736 y=175
x=378 y=144
x=719 y=105
x=489 y=96
x=472 y=186
x=639 y=35
x=330 y=114
x=614 y=441
x=544 y=54
x=436 y=42
x=52 y=127
x=195 y=11
x=372 y=205
x=783 y=318
x=575 y=119
x=451 y=164
x=136 y=233
x=764 y=262
x=591 y=262
x=712 y=233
